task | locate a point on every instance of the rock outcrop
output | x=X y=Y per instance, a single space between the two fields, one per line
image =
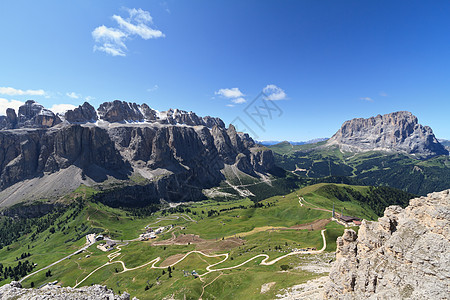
x=178 y=153
x=82 y=114
x=14 y=291
x=34 y=115
x=405 y=255
x=398 y=132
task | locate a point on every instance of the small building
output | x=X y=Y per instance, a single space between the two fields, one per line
x=99 y=237
x=348 y=219
x=110 y=243
x=357 y=223
x=107 y=247
x=195 y=274
x=147 y=236
x=159 y=230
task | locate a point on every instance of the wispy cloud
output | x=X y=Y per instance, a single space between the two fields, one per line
x=230 y=93
x=89 y=98
x=73 y=95
x=165 y=6
x=5 y=103
x=18 y=92
x=111 y=40
x=154 y=88
x=383 y=94
x=230 y=105
x=239 y=100
x=366 y=99
x=61 y=108
x=274 y=93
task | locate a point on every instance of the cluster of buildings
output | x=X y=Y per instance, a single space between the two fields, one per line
x=108 y=246
x=150 y=233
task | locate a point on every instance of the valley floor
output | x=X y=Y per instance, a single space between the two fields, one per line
x=207 y=250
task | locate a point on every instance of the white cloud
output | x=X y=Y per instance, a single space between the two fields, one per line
x=61 y=108
x=230 y=93
x=383 y=94
x=274 y=93
x=89 y=98
x=366 y=99
x=230 y=105
x=5 y=103
x=112 y=40
x=140 y=29
x=73 y=95
x=154 y=88
x=239 y=100
x=17 y=92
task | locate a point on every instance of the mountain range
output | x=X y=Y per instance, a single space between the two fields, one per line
x=393 y=150
x=172 y=155
x=271 y=143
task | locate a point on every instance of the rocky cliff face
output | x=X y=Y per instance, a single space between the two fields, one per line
x=405 y=255
x=398 y=132
x=14 y=291
x=177 y=152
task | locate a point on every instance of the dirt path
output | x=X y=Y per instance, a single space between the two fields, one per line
x=209 y=268
x=204 y=286
x=87 y=245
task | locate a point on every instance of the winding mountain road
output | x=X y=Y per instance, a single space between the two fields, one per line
x=209 y=269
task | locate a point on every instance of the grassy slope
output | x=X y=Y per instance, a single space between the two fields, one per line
x=277 y=211
x=370 y=168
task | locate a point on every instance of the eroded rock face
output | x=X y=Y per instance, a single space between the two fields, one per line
x=405 y=255
x=15 y=291
x=34 y=115
x=31 y=115
x=31 y=153
x=120 y=111
x=398 y=131
x=82 y=114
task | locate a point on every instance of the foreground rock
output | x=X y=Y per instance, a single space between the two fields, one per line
x=15 y=291
x=405 y=255
x=394 y=132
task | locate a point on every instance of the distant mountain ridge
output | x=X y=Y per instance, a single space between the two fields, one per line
x=270 y=143
x=171 y=155
x=393 y=150
x=445 y=143
x=394 y=132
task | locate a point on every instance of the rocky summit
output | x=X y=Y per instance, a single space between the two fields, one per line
x=394 y=132
x=44 y=155
x=405 y=255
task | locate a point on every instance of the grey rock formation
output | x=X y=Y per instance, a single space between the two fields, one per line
x=15 y=291
x=34 y=115
x=176 y=152
x=120 y=111
x=398 y=132
x=82 y=114
x=125 y=112
x=405 y=255
x=31 y=153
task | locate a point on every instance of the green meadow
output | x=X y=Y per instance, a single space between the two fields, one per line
x=239 y=228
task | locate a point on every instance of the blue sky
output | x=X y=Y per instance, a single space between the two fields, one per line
x=321 y=62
